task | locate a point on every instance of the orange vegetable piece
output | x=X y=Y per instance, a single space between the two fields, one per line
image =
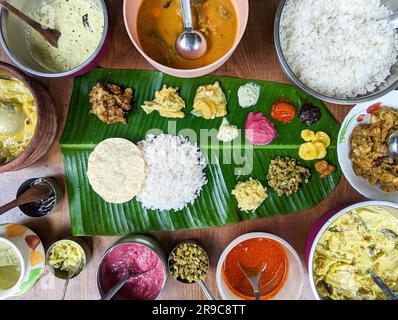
x=15 y=230
x=35 y=258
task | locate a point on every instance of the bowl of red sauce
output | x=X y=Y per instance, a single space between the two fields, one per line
x=282 y=278
x=140 y=254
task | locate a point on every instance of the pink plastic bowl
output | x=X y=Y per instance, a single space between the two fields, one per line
x=131 y=8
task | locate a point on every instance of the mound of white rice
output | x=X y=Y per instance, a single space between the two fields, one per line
x=175 y=174
x=341 y=48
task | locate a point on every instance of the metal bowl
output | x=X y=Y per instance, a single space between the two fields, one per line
x=147 y=241
x=14 y=41
x=390 y=84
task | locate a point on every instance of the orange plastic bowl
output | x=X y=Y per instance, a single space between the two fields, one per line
x=131 y=8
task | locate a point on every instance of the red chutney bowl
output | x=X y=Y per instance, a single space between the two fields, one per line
x=293 y=284
x=140 y=255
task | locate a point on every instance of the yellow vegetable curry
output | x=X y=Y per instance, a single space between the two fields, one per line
x=160 y=23
x=18 y=118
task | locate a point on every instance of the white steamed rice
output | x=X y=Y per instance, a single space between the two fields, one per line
x=175 y=175
x=339 y=48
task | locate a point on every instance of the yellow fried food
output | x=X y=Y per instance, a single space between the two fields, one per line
x=167 y=102
x=322 y=137
x=320 y=150
x=308 y=151
x=307 y=135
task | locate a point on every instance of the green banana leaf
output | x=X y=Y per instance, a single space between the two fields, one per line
x=90 y=215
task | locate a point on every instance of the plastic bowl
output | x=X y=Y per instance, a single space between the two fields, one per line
x=322 y=224
x=294 y=284
x=131 y=8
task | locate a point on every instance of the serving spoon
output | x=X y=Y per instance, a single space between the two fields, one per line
x=254 y=277
x=393 y=145
x=190 y=44
x=35 y=193
x=51 y=35
x=383 y=286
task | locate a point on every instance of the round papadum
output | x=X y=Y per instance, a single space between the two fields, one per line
x=116 y=170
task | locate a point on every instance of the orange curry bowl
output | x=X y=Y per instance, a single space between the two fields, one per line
x=131 y=16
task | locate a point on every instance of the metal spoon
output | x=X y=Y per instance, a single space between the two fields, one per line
x=254 y=277
x=190 y=44
x=51 y=35
x=71 y=273
x=381 y=284
x=393 y=145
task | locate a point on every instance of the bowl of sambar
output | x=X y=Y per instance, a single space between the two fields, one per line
x=153 y=27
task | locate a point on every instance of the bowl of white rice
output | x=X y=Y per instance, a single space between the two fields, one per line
x=339 y=51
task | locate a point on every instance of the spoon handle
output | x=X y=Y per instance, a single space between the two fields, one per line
x=12 y=9
x=386 y=289
x=187 y=14
x=109 y=295
x=206 y=291
x=7 y=207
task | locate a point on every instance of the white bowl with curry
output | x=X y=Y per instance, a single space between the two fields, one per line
x=28 y=120
x=153 y=27
x=362 y=148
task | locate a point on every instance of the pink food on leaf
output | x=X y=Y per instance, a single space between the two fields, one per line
x=259 y=130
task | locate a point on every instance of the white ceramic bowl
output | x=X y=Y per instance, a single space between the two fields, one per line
x=327 y=224
x=294 y=284
x=344 y=148
x=10 y=292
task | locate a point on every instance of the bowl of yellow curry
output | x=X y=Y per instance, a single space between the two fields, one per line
x=28 y=120
x=345 y=245
x=153 y=27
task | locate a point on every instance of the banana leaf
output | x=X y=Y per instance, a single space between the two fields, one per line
x=215 y=206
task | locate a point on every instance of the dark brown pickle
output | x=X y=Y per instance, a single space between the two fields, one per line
x=309 y=114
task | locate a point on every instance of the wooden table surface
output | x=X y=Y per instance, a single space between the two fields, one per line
x=255 y=58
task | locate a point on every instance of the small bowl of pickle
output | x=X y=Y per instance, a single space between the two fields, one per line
x=188 y=263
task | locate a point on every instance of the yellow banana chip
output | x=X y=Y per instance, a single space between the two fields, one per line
x=322 y=137
x=308 y=151
x=307 y=135
x=320 y=150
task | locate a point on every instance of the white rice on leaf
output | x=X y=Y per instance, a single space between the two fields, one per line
x=339 y=48
x=175 y=175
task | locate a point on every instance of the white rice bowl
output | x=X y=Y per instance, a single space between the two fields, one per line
x=339 y=48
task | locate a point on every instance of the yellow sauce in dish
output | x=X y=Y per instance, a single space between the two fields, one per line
x=78 y=41
x=18 y=118
x=159 y=23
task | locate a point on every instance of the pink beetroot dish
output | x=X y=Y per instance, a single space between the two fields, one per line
x=148 y=268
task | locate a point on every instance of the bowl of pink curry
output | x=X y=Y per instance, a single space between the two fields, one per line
x=143 y=258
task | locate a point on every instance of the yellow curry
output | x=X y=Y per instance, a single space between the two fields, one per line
x=160 y=23
x=364 y=239
x=18 y=118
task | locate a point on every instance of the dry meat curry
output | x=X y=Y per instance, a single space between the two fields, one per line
x=160 y=22
x=369 y=150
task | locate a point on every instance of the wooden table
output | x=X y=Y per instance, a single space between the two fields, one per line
x=255 y=58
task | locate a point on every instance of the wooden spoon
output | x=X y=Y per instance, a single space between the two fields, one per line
x=51 y=35
x=35 y=193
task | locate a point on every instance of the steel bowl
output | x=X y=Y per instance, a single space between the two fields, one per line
x=147 y=241
x=14 y=41
x=390 y=84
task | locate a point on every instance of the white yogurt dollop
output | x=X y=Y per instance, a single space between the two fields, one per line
x=227 y=132
x=248 y=95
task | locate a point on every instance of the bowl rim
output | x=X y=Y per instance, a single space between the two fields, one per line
x=327 y=224
x=202 y=70
x=30 y=84
x=71 y=72
x=301 y=85
x=144 y=240
x=10 y=292
x=346 y=134
x=253 y=235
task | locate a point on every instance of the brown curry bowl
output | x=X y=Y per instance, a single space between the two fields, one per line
x=47 y=125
